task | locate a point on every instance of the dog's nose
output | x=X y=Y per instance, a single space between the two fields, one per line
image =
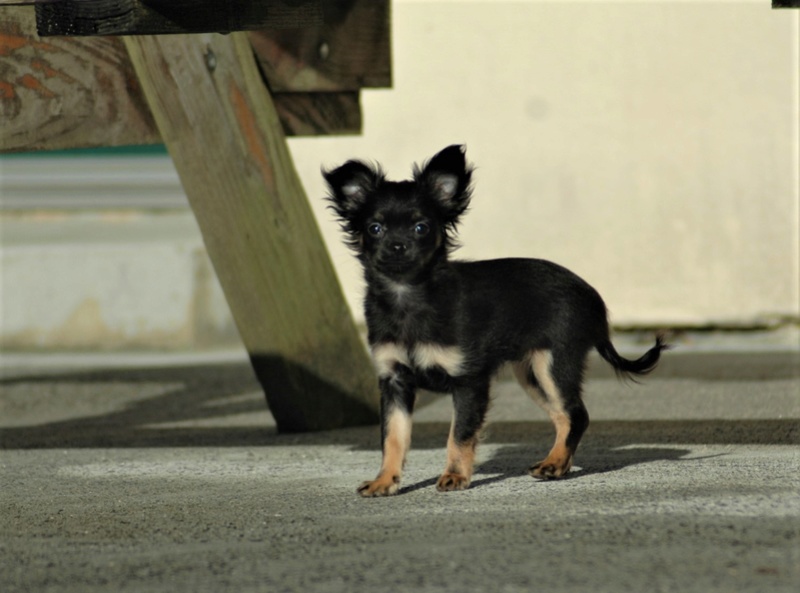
x=399 y=247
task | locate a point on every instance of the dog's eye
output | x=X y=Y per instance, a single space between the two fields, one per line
x=422 y=229
x=375 y=229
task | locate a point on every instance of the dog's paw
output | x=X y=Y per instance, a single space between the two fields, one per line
x=380 y=486
x=546 y=470
x=450 y=481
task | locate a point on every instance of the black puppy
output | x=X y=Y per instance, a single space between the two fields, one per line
x=448 y=326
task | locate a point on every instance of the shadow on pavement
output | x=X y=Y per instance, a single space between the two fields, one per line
x=608 y=445
x=513 y=461
x=716 y=366
x=191 y=407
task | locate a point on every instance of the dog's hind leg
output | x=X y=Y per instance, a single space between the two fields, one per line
x=469 y=411
x=556 y=386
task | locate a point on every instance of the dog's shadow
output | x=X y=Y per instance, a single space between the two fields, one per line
x=610 y=446
x=513 y=461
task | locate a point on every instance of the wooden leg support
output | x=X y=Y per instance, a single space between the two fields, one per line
x=218 y=121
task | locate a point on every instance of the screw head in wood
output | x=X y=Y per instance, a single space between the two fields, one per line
x=211 y=59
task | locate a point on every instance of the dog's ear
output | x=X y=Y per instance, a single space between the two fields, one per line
x=446 y=178
x=350 y=185
x=349 y=188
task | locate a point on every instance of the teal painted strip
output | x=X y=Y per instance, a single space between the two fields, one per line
x=106 y=151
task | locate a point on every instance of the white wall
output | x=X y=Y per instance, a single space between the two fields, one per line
x=650 y=146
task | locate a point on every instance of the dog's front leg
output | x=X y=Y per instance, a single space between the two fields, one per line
x=469 y=411
x=398 y=393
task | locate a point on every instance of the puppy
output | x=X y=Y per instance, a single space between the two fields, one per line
x=448 y=326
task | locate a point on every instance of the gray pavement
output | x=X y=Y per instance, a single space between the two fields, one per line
x=165 y=474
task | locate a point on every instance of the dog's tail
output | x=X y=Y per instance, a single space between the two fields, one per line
x=626 y=368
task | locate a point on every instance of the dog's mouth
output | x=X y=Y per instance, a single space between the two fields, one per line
x=395 y=266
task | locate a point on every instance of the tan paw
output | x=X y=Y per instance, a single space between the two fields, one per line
x=449 y=481
x=550 y=469
x=380 y=486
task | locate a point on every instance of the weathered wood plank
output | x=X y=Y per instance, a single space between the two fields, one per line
x=349 y=50
x=66 y=92
x=224 y=136
x=318 y=114
x=150 y=17
x=81 y=92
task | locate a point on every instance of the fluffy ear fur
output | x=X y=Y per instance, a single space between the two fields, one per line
x=446 y=178
x=349 y=186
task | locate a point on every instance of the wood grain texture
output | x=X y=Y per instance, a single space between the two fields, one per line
x=152 y=17
x=81 y=92
x=66 y=92
x=318 y=114
x=226 y=141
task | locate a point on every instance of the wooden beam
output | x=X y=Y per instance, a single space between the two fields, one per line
x=319 y=114
x=80 y=92
x=152 y=17
x=224 y=136
x=349 y=50
x=65 y=92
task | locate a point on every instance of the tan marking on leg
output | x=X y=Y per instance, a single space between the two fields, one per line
x=449 y=358
x=387 y=355
x=460 y=460
x=521 y=374
x=559 y=461
x=395 y=448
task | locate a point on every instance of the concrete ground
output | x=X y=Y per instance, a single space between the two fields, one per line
x=166 y=474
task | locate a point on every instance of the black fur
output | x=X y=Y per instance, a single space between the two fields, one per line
x=449 y=325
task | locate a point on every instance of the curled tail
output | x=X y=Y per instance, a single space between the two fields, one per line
x=624 y=367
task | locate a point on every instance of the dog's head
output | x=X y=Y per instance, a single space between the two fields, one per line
x=399 y=229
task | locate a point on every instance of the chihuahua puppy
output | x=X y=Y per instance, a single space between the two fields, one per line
x=448 y=326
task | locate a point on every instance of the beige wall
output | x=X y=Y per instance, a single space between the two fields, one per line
x=650 y=146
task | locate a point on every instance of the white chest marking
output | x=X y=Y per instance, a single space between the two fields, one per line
x=387 y=355
x=420 y=356
x=399 y=290
x=449 y=358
